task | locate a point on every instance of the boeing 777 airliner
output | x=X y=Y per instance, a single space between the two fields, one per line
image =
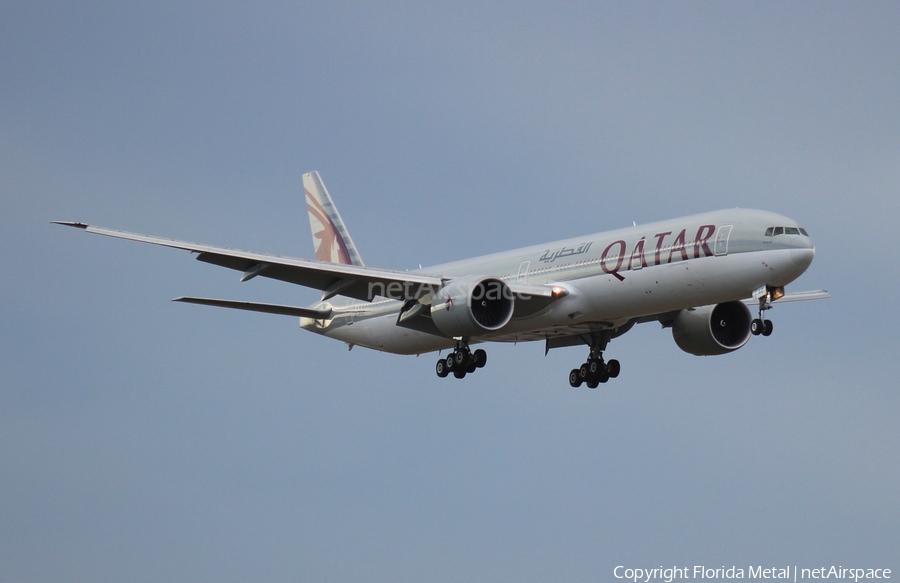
x=696 y=275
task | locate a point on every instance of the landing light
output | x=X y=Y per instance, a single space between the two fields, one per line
x=559 y=291
x=776 y=293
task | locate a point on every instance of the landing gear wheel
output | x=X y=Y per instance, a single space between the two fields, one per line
x=613 y=368
x=461 y=361
x=575 y=379
x=595 y=370
x=756 y=327
x=761 y=325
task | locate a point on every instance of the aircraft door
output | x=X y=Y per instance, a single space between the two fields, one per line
x=722 y=239
x=523 y=272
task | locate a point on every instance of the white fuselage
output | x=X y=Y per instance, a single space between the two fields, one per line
x=611 y=278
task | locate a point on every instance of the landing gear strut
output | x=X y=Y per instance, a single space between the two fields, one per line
x=461 y=361
x=761 y=325
x=595 y=370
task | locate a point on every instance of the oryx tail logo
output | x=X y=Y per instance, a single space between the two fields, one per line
x=330 y=245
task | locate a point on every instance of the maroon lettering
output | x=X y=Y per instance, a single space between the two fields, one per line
x=659 y=242
x=638 y=254
x=678 y=245
x=704 y=234
x=620 y=258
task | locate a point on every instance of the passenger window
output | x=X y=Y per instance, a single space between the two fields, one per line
x=769 y=231
x=779 y=231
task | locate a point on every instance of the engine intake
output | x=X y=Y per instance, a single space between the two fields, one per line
x=472 y=306
x=712 y=330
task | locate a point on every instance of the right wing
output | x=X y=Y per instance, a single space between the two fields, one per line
x=800 y=296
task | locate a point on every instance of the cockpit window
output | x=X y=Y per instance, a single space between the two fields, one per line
x=775 y=231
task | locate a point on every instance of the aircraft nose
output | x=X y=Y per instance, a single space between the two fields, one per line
x=802 y=258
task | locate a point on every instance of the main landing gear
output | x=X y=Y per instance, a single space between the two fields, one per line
x=595 y=371
x=461 y=361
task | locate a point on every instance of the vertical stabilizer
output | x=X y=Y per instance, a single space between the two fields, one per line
x=330 y=237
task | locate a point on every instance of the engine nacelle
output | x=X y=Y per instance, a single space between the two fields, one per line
x=711 y=330
x=472 y=306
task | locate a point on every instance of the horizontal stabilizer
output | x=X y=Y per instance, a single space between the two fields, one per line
x=265 y=308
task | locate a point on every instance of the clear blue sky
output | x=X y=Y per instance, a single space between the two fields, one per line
x=142 y=440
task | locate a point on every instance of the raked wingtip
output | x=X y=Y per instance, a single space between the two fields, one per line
x=71 y=224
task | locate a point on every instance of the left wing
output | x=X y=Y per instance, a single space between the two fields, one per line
x=355 y=281
x=362 y=283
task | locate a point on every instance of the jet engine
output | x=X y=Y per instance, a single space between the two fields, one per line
x=472 y=306
x=711 y=330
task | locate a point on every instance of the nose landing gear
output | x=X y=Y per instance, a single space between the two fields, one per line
x=761 y=326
